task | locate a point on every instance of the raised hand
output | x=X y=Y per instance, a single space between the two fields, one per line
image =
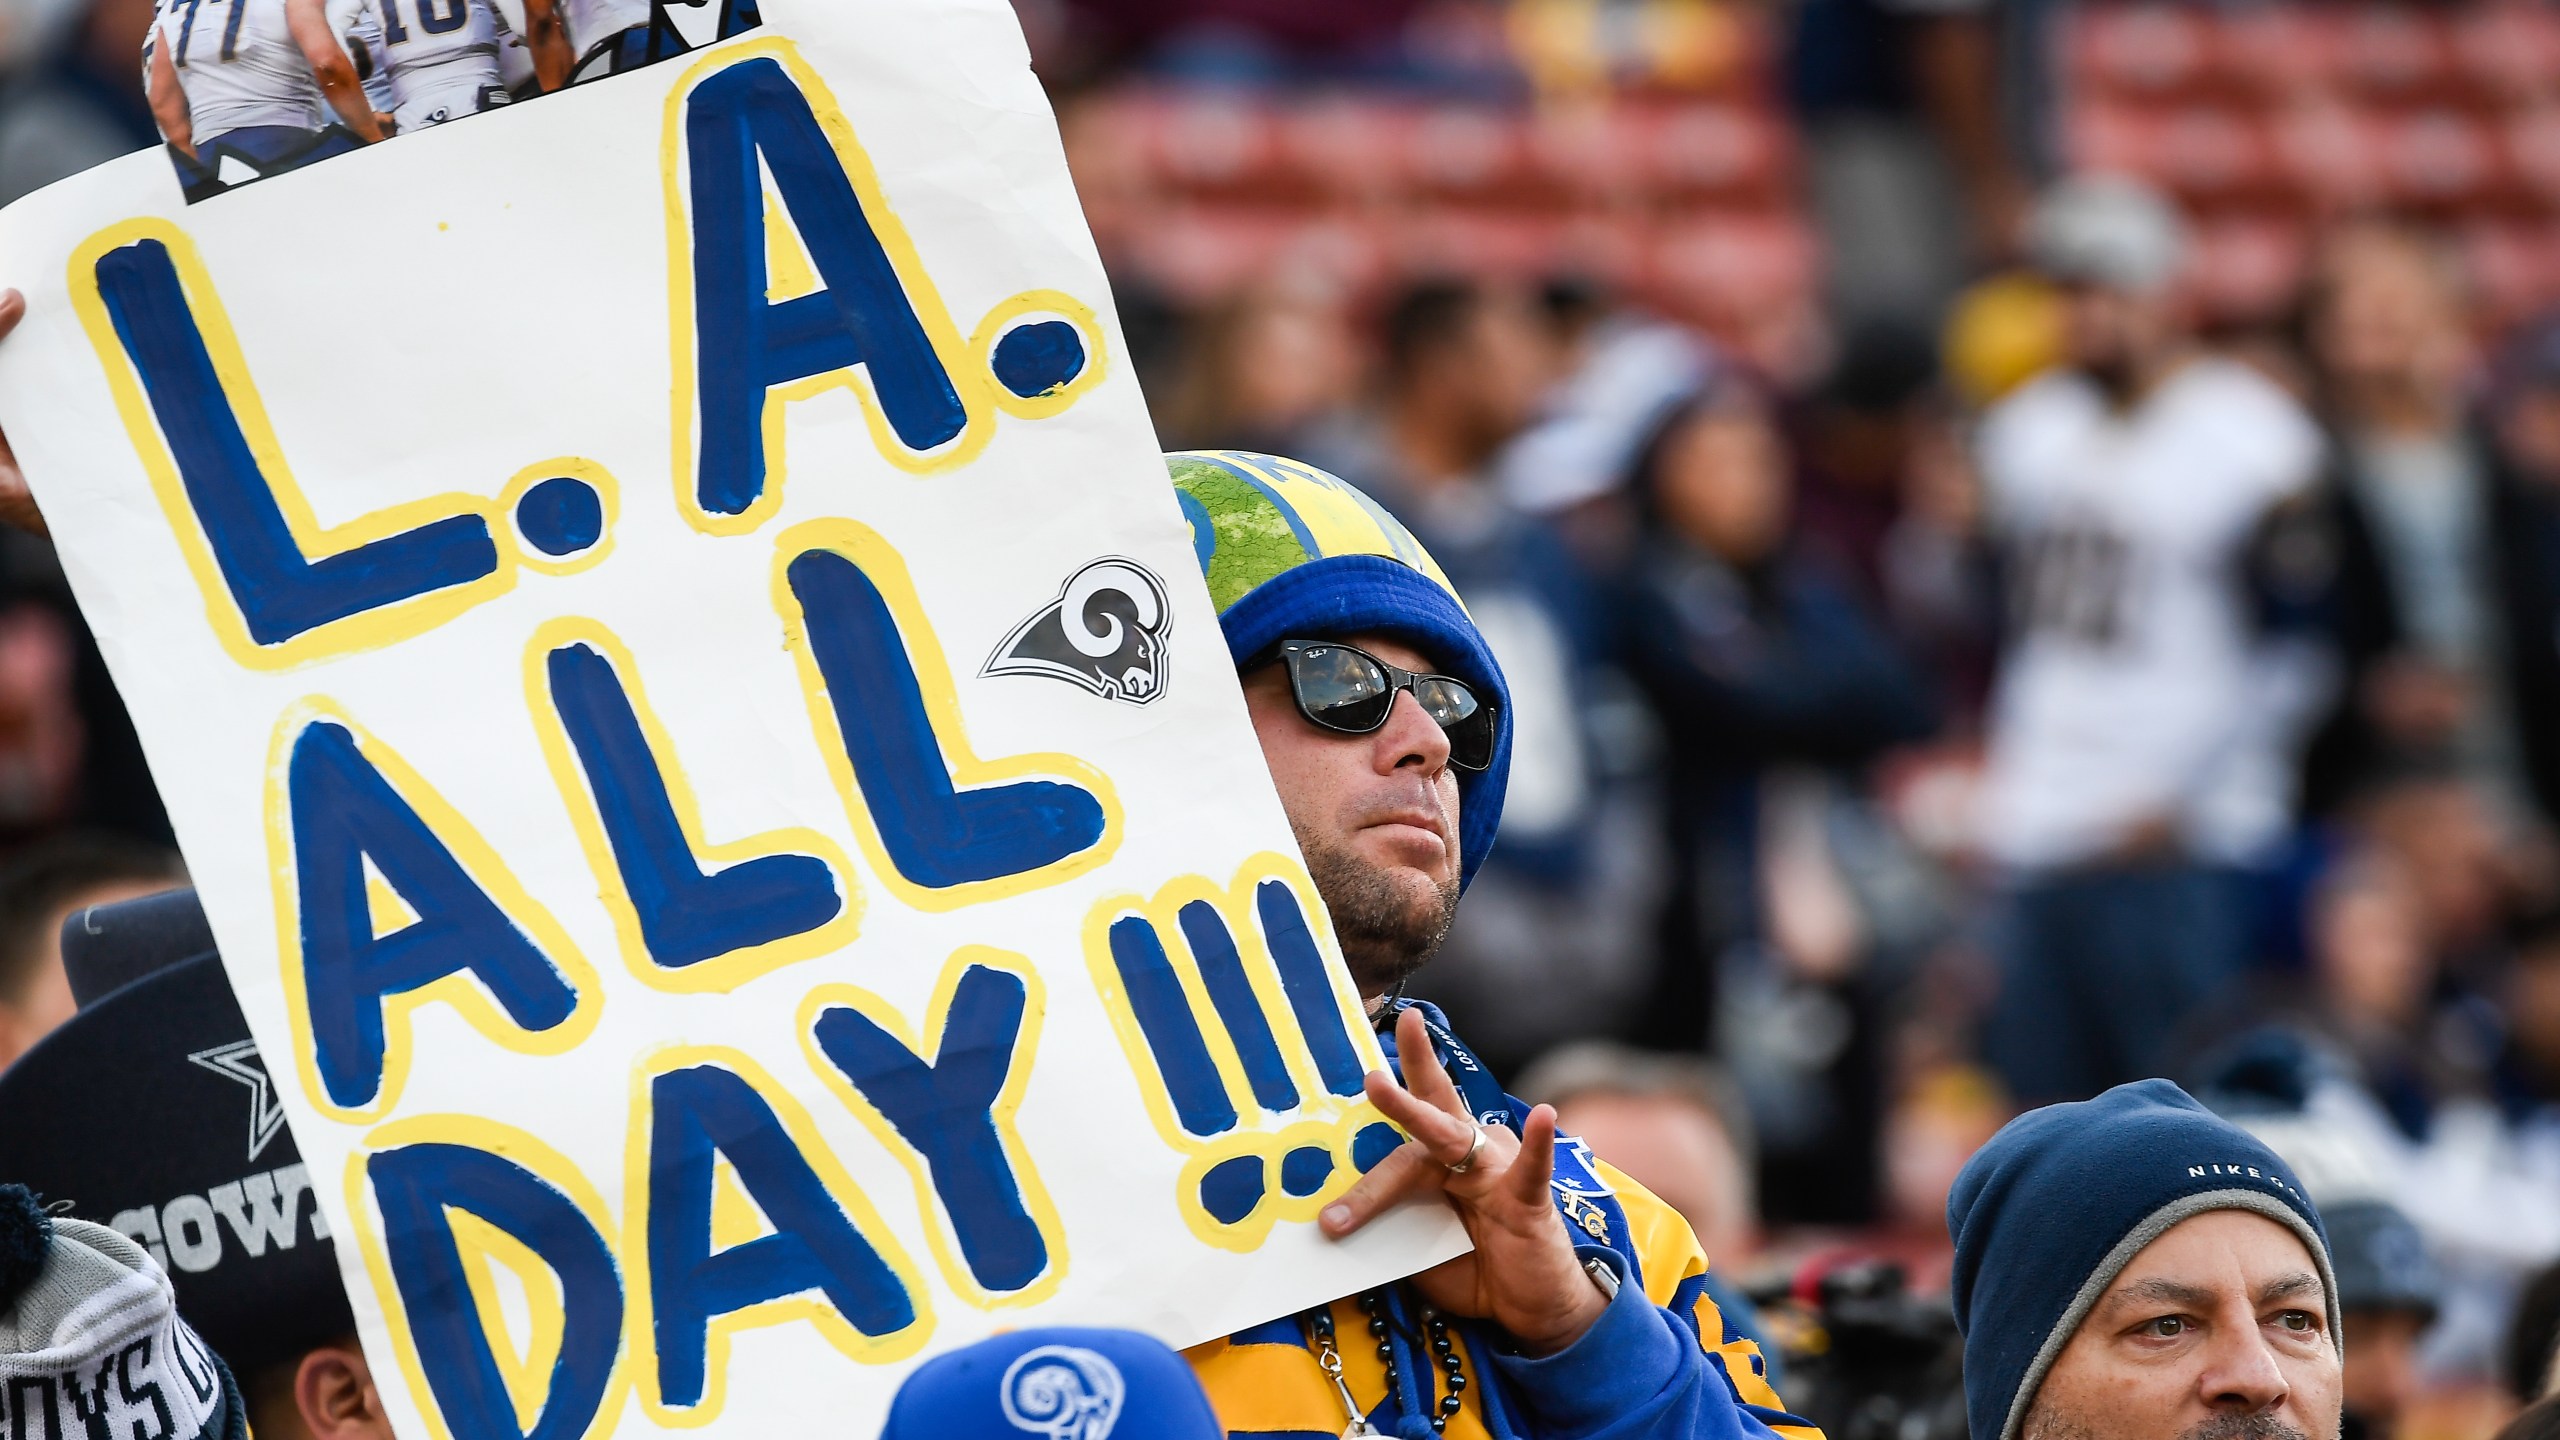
x=1523 y=1275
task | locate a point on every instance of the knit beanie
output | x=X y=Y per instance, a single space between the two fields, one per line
x=2047 y=1215
x=90 y=1339
x=1058 y=1383
x=1291 y=552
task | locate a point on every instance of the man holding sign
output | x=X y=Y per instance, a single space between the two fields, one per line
x=698 y=990
x=1582 y=1311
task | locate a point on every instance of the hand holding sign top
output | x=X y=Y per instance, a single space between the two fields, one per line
x=17 y=502
x=1524 y=1275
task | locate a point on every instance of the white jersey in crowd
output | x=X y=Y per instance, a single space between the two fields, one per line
x=441 y=56
x=2134 y=688
x=239 y=66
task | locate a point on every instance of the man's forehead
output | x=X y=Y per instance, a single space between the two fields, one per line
x=2218 y=1254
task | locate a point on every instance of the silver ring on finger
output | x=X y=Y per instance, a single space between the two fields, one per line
x=1475 y=1147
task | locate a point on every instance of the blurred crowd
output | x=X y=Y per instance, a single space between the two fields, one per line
x=1979 y=632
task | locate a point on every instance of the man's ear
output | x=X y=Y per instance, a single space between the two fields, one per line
x=334 y=1392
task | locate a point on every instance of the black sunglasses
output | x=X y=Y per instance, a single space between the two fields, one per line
x=1352 y=691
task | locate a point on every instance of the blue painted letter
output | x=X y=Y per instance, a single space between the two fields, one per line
x=686 y=916
x=344 y=813
x=945 y=1108
x=704 y=1113
x=280 y=591
x=415 y=1185
x=744 y=343
x=936 y=834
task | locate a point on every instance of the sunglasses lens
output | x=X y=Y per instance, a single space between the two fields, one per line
x=1341 y=689
x=1468 y=721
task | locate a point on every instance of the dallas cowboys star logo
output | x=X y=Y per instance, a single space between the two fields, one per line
x=239 y=1061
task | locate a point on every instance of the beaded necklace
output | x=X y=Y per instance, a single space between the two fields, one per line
x=1443 y=1350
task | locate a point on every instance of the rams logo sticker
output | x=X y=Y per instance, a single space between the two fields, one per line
x=1105 y=632
x=1063 y=1392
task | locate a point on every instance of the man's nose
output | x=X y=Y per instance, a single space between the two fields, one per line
x=1411 y=737
x=2241 y=1373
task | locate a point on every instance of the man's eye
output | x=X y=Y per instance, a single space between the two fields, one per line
x=2296 y=1320
x=2167 y=1327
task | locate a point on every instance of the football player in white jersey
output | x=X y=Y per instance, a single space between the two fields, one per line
x=443 y=55
x=2144 y=730
x=359 y=33
x=255 y=82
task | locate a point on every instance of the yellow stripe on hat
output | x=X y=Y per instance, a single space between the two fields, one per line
x=1335 y=518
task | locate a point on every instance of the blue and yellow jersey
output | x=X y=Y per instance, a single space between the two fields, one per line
x=1660 y=1365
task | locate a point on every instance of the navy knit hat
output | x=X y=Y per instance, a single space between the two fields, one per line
x=152 y=1113
x=2048 y=1214
x=1057 y=1383
x=1291 y=552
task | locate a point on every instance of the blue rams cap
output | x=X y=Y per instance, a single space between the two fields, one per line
x=1054 y=1384
x=2047 y=1215
x=1292 y=552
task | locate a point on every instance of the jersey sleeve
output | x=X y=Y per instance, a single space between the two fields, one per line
x=1675 y=1278
x=1659 y=1363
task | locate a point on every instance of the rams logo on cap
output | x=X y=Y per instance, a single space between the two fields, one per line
x=1064 y=1392
x=1105 y=632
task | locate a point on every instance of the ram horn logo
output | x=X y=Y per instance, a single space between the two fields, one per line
x=1064 y=1392
x=1105 y=632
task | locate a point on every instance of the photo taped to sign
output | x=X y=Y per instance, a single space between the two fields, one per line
x=245 y=89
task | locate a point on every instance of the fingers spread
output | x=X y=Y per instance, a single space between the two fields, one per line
x=1407 y=1171
x=1423 y=1073
x=1534 y=1168
x=1446 y=1135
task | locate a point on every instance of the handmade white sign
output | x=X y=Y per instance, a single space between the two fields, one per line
x=647 y=586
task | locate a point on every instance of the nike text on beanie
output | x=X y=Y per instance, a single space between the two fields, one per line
x=2048 y=1214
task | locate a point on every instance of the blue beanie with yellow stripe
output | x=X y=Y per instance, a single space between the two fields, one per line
x=1291 y=552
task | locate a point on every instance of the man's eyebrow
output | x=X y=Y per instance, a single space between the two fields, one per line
x=2162 y=1292
x=2288 y=1287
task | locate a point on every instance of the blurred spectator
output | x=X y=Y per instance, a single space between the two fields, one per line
x=72 y=93
x=2434 y=546
x=1670 y=1121
x=1677 y=1127
x=2528 y=1069
x=1618 y=372
x=1261 y=369
x=1889 y=500
x=1556 y=924
x=2388 y=1291
x=2537 y=1422
x=2443 y=834
x=1914 y=176
x=2524 y=419
x=1753 y=656
x=2533 y=1340
x=2376 y=970
x=42 y=887
x=2141 y=733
